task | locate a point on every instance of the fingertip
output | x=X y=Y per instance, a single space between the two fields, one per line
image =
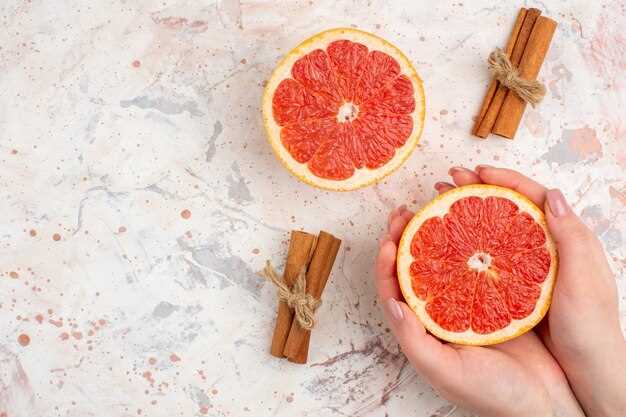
x=386 y=256
x=482 y=167
x=386 y=282
x=390 y=217
x=463 y=176
x=397 y=227
x=408 y=215
x=383 y=239
x=442 y=187
x=388 y=246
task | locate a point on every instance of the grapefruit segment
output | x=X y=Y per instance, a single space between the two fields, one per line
x=489 y=313
x=380 y=71
x=292 y=103
x=369 y=97
x=348 y=60
x=477 y=265
x=519 y=295
x=451 y=309
x=332 y=160
x=314 y=72
x=396 y=98
x=304 y=139
x=431 y=277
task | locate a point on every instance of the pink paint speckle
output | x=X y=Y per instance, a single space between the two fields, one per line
x=64 y=336
x=584 y=142
x=23 y=339
x=185 y=214
x=14 y=275
x=57 y=323
x=39 y=318
x=174 y=357
x=136 y=63
x=204 y=410
x=121 y=229
x=152 y=361
x=56 y=237
x=148 y=377
x=173 y=22
x=77 y=335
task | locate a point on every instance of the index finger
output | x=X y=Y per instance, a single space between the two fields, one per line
x=513 y=180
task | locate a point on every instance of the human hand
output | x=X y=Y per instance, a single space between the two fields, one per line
x=582 y=330
x=515 y=378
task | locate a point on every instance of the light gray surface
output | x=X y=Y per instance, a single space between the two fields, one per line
x=116 y=116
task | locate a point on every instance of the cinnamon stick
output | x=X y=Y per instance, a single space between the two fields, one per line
x=536 y=49
x=491 y=91
x=301 y=247
x=297 y=346
x=515 y=56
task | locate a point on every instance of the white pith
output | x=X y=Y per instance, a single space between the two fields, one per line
x=347 y=112
x=439 y=207
x=480 y=261
x=363 y=176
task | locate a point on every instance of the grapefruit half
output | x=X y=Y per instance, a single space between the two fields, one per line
x=478 y=265
x=343 y=109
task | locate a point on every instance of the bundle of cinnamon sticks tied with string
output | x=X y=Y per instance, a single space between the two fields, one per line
x=515 y=71
x=310 y=260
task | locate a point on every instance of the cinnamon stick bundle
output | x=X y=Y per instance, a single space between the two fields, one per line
x=301 y=247
x=297 y=346
x=514 y=49
x=502 y=109
x=513 y=107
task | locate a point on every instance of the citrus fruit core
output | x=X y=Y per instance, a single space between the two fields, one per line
x=477 y=265
x=343 y=109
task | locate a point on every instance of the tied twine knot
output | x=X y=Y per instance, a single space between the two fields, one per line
x=303 y=304
x=531 y=91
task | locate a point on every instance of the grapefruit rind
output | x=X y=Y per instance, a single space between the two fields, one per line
x=439 y=207
x=364 y=176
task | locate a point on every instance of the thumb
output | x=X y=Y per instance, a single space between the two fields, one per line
x=580 y=253
x=573 y=238
x=431 y=358
x=582 y=263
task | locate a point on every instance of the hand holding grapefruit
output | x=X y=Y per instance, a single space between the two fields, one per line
x=518 y=377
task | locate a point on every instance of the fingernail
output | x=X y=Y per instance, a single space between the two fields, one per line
x=482 y=166
x=455 y=170
x=439 y=185
x=394 y=311
x=556 y=202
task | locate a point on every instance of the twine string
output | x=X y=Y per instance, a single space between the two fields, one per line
x=303 y=304
x=531 y=91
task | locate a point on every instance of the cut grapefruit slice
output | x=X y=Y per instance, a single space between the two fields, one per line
x=477 y=265
x=344 y=109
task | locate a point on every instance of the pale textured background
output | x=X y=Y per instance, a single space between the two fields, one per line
x=115 y=116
